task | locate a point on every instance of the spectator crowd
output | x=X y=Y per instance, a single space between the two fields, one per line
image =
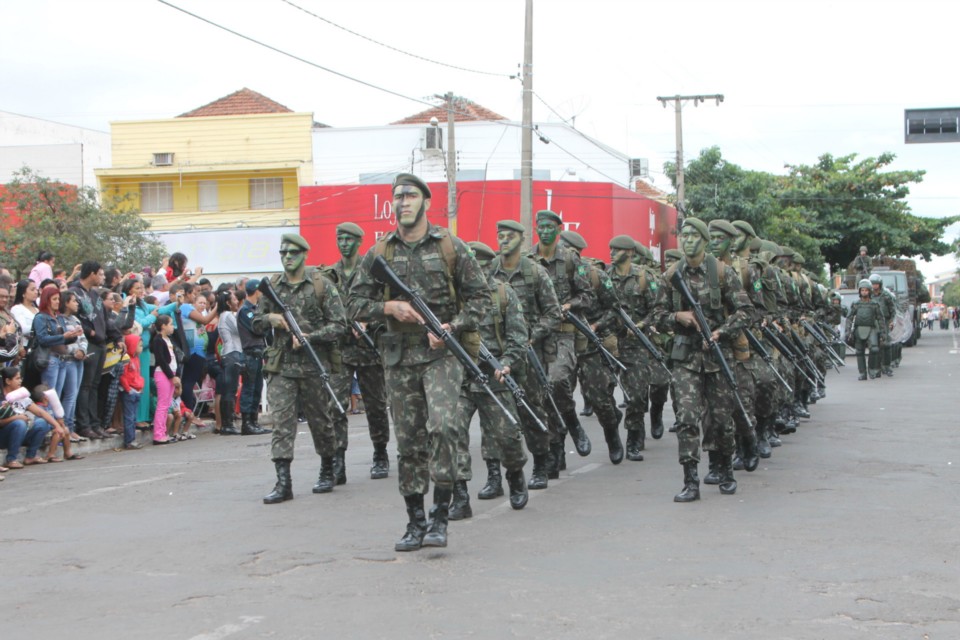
x=97 y=354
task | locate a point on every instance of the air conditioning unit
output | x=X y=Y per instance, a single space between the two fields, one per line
x=162 y=159
x=432 y=139
x=639 y=168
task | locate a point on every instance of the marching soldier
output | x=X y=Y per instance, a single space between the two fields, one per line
x=316 y=306
x=864 y=326
x=888 y=307
x=659 y=380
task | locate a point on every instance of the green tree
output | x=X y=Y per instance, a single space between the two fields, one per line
x=42 y=214
x=951 y=294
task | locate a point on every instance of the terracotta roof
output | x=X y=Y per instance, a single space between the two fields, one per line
x=238 y=103
x=464 y=111
x=646 y=189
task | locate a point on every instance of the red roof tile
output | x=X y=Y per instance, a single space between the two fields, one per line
x=238 y=103
x=464 y=111
x=646 y=189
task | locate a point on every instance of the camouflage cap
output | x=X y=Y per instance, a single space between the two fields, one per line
x=623 y=242
x=511 y=225
x=412 y=180
x=724 y=226
x=574 y=239
x=351 y=228
x=296 y=240
x=482 y=251
x=698 y=225
x=546 y=214
x=672 y=254
x=745 y=228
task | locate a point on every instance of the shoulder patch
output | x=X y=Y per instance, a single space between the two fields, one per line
x=608 y=283
x=581 y=270
x=249 y=314
x=757 y=285
x=653 y=285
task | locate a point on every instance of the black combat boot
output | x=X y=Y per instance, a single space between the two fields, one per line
x=226 y=418
x=460 y=506
x=494 y=487
x=713 y=474
x=587 y=411
x=538 y=477
x=763 y=445
x=326 y=480
x=381 y=462
x=772 y=436
x=284 y=488
x=340 y=466
x=518 y=489
x=413 y=538
x=800 y=411
x=553 y=471
x=249 y=426
x=614 y=444
x=436 y=535
x=580 y=440
x=635 y=445
x=728 y=486
x=691 y=484
x=738 y=455
x=656 y=420
x=748 y=451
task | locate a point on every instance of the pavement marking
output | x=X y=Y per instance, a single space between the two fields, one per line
x=587 y=468
x=230 y=628
x=93 y=492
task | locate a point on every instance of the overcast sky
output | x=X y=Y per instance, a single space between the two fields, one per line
x=799 y=78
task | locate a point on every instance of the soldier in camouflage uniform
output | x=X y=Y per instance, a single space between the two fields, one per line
x=670 y=258
x=700 y=386
x=541 y=312
x=569 y=277
x=659 y=380
x=423 y=377
x=864 y=326
x=315 y=304
x=504 y=333
x=360 y=360
x=596 y=380
x=636 y=294
x=888 y=306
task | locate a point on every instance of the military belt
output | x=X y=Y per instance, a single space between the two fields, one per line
x=566 y=327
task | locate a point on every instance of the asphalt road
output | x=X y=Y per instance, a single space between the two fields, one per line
x=849 y=531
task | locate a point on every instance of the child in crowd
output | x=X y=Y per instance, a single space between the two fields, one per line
x=165 y=376
x=131 y=386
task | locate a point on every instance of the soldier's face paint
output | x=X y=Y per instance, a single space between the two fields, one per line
x=621 y=256
x=292 y=257
x=740 y=242
x=348 y=244
x=484 y=265
x=409 y=205
x=719 y=243
x=508 y=241
x=548 y=231
x=691 y=242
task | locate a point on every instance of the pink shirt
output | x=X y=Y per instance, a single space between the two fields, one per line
x=40 y=272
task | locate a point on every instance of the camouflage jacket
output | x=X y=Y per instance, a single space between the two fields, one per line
x=569 y=276
x=355 y=351
x=534 y=288
x=888 y=304
x=636 y=293
x=503 y=330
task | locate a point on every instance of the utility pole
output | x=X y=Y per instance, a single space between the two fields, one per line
x=678 y=101
x=451 y=168
x=526 y=136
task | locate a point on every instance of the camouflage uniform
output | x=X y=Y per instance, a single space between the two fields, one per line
x=888 y=307
x=658 y=378
x=423 y=384
x=292 y=375
x=865 y=324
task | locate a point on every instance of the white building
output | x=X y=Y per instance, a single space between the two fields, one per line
x=57 y=151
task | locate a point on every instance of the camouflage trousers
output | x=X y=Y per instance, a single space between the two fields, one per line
x=284 y=394
x=562 y=371
x=538 y=442
x=767 y=388
x=659 y=379
x=370 y=379
x=499 y=439
x=635 y=380
x=423 y=403
x=597 y=384
x=706 y=397
x=743 y=370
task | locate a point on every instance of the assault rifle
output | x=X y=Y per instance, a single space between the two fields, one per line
x=819 y=337
x=365 y=337
x=644 y=340
x=758 y=347
x=681 y=285
x=616 y=367
x=805 y=354
x=383 y=273
x=267 y=289
x=541 y=374
x=518 y=395
x=785 y=350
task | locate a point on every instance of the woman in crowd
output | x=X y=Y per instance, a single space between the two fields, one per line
x=11 y=346
x=214 y=365
x=21 y=422
x=25 y=308
x=231 y=360
x=73 y=362
x=193 y=317
x=50 y=331
x=165 y=376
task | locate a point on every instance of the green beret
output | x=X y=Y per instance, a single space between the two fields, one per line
x=698 y=225
x=623 y=242
x=573 y=239
x=724 y=226
x=482 y=251
x=798 y=258
x=766 y=245
x=296 y=240
x=546 y=214
x=511 y=225
x=785 y=252
x=744 y=227
x=755 y=244
x=672 y=254
x=350 y=228
x=412 y=180
x=642 y=250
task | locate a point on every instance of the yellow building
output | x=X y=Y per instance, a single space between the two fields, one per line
x=237 y=162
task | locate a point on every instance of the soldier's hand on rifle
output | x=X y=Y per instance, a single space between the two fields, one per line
x=499 y=374
x=402 y=311
x=435 y=342
x=565 y=307
x=715 y=335
x=296 y=343
x=277 y=321
x=356 y=334
x=687 y=319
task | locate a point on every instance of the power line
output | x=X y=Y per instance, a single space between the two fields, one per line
x=392 y=48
